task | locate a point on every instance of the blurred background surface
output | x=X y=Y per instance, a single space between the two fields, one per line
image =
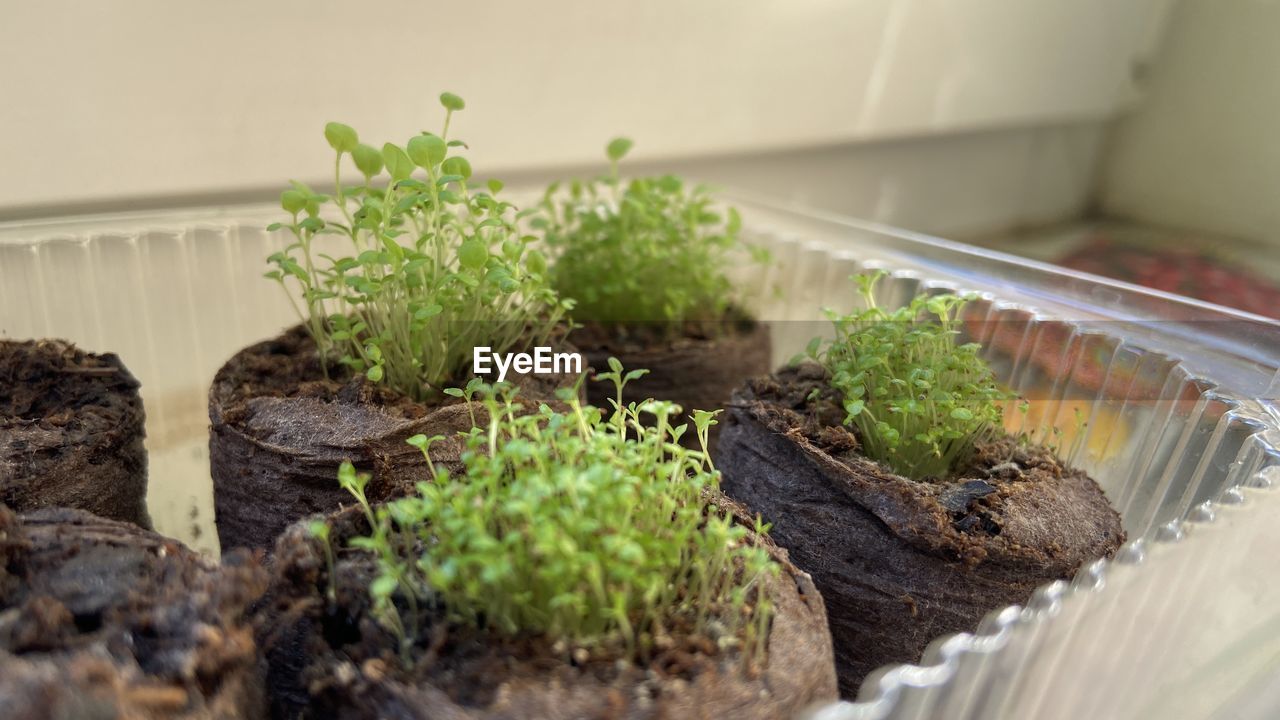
x=1035 y=127
x=948 y=115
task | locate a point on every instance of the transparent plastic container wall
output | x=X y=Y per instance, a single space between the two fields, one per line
x=1169 y=403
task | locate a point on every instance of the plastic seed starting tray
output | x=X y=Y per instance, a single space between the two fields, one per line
x=1170 y=404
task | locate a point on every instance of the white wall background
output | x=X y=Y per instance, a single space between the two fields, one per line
x=1203 y=150
x=959 y=185
x=945 y=115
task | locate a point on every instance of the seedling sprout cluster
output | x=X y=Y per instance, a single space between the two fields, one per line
x=437 y=268
x=648 y=250
x=601 y=533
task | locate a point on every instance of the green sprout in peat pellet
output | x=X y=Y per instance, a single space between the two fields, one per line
x=920 y=401
x=434 y=267
x=596 y=534
x=651 y=250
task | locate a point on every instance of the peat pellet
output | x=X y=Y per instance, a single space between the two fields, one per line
x=334 y=660
x=101 y=619
x=71 y=431
x=697 y=371
x=901 y=562
x=279 y=429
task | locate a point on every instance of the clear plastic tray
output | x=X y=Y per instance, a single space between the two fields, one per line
x=1169 y=403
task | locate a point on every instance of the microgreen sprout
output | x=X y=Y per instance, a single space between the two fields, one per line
x=433 y=268
x=1079 y=435
x=593 y=532
x=920 y=401
x=652 y=250
x=320 y=530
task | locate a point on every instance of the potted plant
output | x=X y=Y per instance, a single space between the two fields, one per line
x=71 y=431
x=421 y=271
x=884 y=470
x=578 y=568
x=645 y=262
x=102 y=619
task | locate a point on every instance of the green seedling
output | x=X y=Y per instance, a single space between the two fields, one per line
x=319 y=529
x=652 y=250
x=1080 y=437
x=431 y=266
x=593 y=532
x=919 y=400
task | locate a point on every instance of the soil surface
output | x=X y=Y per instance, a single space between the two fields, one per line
x=280 y=429
x=901 y=562
x=71 y=431
x=332 y=660
x=699 y=370
x=101 y=619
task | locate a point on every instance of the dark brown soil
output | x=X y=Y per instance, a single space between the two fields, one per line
x=901 y=562
x=100 y=619
x=699 y=370
x=332 y=660
x=279 y=431
x=71 y=431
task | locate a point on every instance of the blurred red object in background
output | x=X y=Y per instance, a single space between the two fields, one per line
x=1189 y=271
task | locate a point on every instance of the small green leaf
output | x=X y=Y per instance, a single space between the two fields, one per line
x=407 y=202
x=368 y=160
x=457 y=166
x=427 y=312
x=383 y=586
x=452 y=102
x=536 y=262
x=351 y=480
x=293 y=201
x=473 y=254
x=426 y=151
x=618 y=148
x=374 y=373
x=398 y=164
x=735 y=222
x=341 y=137
x=318 y=529
x=812 y=348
